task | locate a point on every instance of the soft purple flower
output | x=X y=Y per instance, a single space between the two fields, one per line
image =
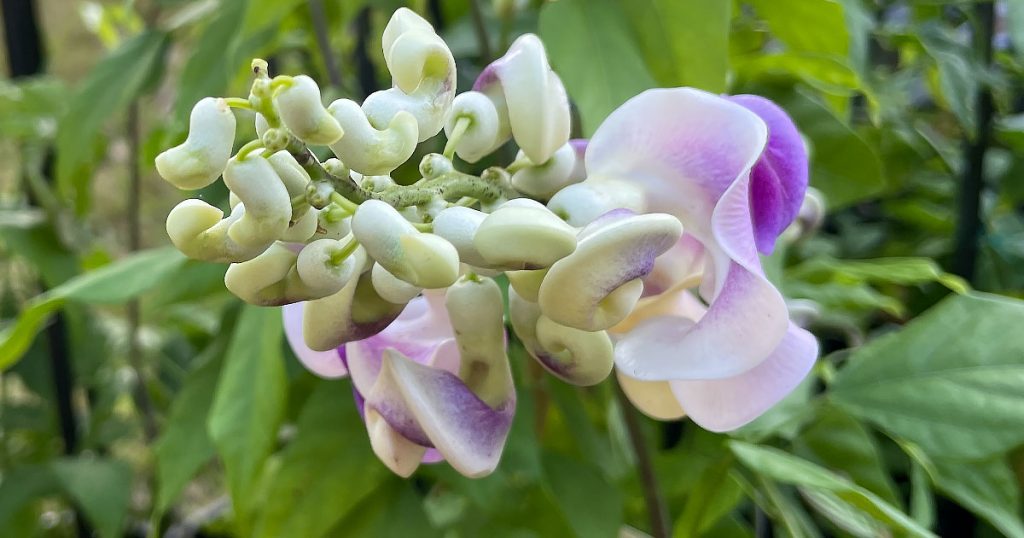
x=712 y=163
x=407 y=384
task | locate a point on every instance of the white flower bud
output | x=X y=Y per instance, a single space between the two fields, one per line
x=476 y=313
x=261 y=126
x=542 y=181
x=487 y=129
x=260 y=281
x=423 y=71
x=581 y=203
x=320 y=275
x=303 y=113
x=268 y=208
x=422 y=259
x=376 y=183
x=303 y=229
x=391 y=288
x=373 y=149
x=574 y=356
x=291 y=173
x=538 y=107
x=329 y=227
x=527 y=283
x=200 y=232
x=598 y=285
x=354 y=313
x=458 y=225
x=201 y=158
x=521 y=237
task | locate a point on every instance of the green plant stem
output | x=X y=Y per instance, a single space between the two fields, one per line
x=238 y=102
x=969 y=227
x=339 y=256
x=461 y=125
x=452 y=186
x=656 y=512
x=323 y=42
x=248 y=148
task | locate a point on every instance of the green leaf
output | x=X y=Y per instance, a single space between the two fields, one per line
x=184 y=446
x=392 y=509
x=212 y=59
x=904 y=271
x=987 y=487
x=816 y=26
x=788 y=469
x=328 y=464
x=249 y=405
x=714 y=495
x=102 y=488
x=949 y=381
x=21 y=486
x=684 y=42
x=591 y=505
x=111 y=85
x=844 y=445
x=114 y=283
x=591 y=50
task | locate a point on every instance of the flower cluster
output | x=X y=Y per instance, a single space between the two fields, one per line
x=636 y=250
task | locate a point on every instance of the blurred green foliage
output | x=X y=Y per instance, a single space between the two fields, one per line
x=910 y=425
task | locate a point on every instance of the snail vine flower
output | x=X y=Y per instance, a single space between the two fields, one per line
x=637 y=250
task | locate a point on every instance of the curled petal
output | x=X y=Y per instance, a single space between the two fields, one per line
x=423 y=70
x=354 y=313
x=692 y=153
x=261 y=280
x=537 y=105
x=327 y=364
x=303 y=229
x=438 y=410
x=574 y=356
x=290 y=172
x=373 y=149
x=487 y=128
x=392 y=288
x=201 y=158
x=200 y=231
x=318 y=274
x=726 y=404
x=598 y=285
x=541 y=181
x=579 y=204
x=458 y=225
x=477 y=317
x=396 y=451
x=519 y=236
x=653 y=398
x=303 y=112
x=527 y=283
x=268 y=208
x=779 y=178
x=421 y=259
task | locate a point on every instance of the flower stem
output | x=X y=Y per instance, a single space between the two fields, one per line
x=458 y=132
x=655 y=504
x=248 y=148
x=344 y=203
x=339 y=256
x=238 y=102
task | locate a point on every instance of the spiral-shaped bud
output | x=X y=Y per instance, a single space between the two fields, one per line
x=542 y=181
x=200 y=231
x=201 y=158
x=476 y=313
x=268 y=208
x=486 y=129
x=421 y=259
x=303 y=112
x=523 y=234
x=423 y=71
x=522 y=84
x=373 y=149
x=580 y=203
x=391 y=288
x=458 y=225
x=598 y=285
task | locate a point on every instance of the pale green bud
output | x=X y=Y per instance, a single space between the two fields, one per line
x=542 y=181
x=201 y=158
x=268 y=208
x=476 y=313
x=391 y=288
x=523 y=236
x=373 y=149
x=421 y=259
x=303 y=113
x=487 y=129
x=200 y=232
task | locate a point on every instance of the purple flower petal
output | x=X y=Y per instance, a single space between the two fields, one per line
x=465 y=430
x=779 y=179
x=726 y=404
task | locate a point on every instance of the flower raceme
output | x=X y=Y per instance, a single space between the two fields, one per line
x=635 y=251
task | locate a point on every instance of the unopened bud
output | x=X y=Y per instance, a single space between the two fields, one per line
x=201 y=158
x=303 y=113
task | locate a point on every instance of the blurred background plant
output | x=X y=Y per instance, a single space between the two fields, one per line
x=139 y=398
